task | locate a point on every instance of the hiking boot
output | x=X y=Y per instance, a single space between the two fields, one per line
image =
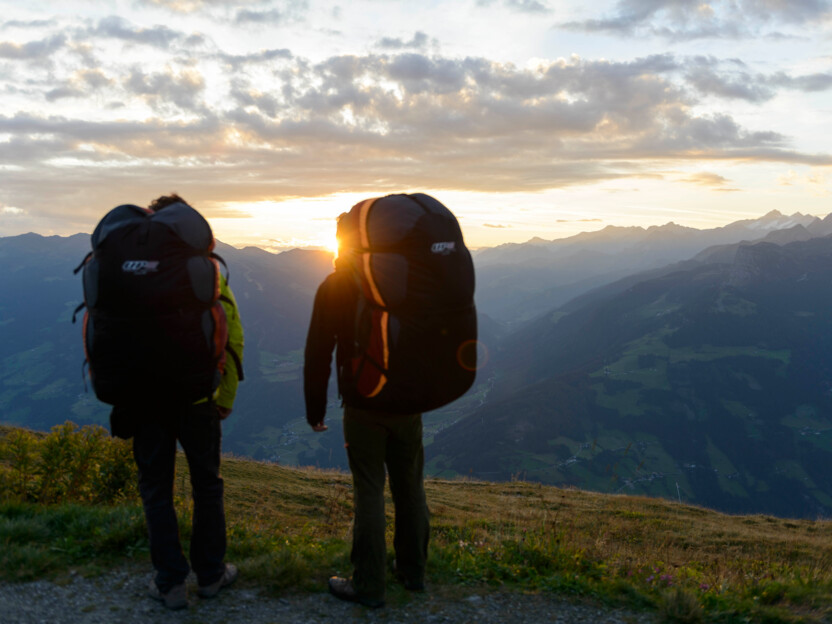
x=409 y=584
x=175 y=598
x=228 y=576
x=342 y=589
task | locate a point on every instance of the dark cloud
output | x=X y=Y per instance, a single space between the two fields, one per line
x=260 y=15
x=808 y=84
x=418 y=42
x=94 y=78
x=237 y=61
x=119 y=28
x=691 y=19
x=418 y=73
x=33 y=50
x=791 y=11
x=740 y=86
x=379 y=123
x=80 y=84
x=270 y=17
x=247 y=96
x=522 y=6
x=528 y=6
x=63 y=92
x=732 y=80
x=36 y=24
x=183 y=89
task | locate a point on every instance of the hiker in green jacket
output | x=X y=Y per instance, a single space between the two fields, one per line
x=198 y=429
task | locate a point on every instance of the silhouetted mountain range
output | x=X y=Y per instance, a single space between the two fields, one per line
x=518 y=282
x=666 y=361
x=711 y=382
x=42 y=353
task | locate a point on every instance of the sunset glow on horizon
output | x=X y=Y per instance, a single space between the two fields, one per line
x=527 y=118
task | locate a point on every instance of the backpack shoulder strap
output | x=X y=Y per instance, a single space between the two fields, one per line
x=220 y=259
x=83 y=262
x=80 y=307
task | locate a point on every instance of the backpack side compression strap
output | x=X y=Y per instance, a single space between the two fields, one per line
x=366 y=269
x=363 y=218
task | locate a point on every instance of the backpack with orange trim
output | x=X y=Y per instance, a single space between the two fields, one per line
x=154 y=330
x=415 y=335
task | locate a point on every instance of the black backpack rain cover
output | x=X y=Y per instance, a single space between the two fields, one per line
x=415 y=330
x=154 y=329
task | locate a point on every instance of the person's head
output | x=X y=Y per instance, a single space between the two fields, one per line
x=164 y=201
x=344 y=233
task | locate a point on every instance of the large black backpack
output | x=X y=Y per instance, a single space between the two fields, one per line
x=415 y=321
x=154 y=330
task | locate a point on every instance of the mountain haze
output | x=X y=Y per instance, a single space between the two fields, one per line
x=711 y=383
x=519 y=281
x=703 y=378
x=42 y=352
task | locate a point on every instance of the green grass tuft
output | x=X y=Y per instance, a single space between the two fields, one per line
x=38 y=540
x=290 y=529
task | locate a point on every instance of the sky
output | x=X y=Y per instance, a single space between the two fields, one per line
x=525 y=117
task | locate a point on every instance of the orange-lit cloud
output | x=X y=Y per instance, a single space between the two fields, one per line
x=114 y=108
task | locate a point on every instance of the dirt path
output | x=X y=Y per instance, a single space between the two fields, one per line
x=119 y=596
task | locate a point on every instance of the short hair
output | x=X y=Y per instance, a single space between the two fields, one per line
x=345 y=231
x=164 y=201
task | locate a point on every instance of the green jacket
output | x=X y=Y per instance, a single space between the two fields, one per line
x=227 y=391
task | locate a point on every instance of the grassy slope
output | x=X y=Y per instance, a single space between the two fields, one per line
x=290 y=528
x=621 y=549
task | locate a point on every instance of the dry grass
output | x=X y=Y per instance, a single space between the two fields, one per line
x=628 y=531
x=689 y=563
x=290 y=528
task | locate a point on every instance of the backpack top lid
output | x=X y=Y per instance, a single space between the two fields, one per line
x=188 y=224
x=408 y=253
x=388 y=222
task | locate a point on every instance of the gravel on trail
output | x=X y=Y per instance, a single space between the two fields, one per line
x=120 y=595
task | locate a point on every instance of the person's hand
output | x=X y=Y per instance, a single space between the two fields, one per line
x=224 y=412
x=319 y=427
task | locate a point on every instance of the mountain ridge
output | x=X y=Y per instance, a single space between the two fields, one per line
x=522 y=280
x=721 y=366
x=561 y=396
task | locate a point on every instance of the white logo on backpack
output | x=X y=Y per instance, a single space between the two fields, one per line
x=443 y=248
x=140 y=267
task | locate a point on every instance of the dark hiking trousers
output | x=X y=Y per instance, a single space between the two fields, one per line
x=375 y=440
x=198 y=429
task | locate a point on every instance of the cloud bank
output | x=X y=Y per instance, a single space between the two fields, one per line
x=126 y=111
x=717 y=19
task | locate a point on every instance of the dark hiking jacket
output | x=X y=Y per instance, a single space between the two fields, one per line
x=331 y=328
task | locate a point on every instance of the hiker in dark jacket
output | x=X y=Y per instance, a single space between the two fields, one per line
x=374 y=440
x=198 y=429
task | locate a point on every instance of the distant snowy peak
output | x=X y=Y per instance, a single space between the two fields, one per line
x=775 y=220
